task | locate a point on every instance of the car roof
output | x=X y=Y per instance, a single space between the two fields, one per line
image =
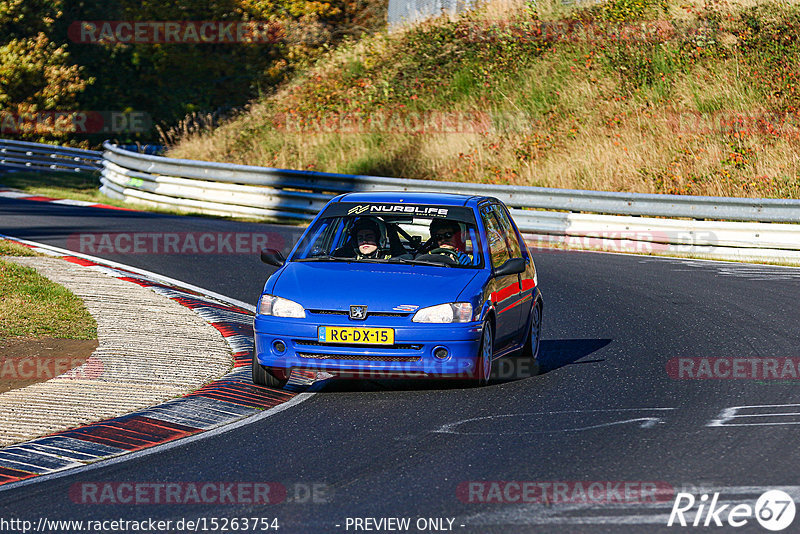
x=413 y=197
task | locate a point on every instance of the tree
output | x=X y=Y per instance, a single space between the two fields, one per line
x=36 y=75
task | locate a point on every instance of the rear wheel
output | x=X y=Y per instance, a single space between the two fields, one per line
x=264 y=376
x=483 y=369
x=531 y=349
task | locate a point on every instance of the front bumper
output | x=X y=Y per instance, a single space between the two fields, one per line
x=411 y=355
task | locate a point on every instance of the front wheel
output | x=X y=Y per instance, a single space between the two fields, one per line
x=271 y=378
x=483 y=369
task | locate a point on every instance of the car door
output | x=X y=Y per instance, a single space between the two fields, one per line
x=504 y=289
x=518 y=249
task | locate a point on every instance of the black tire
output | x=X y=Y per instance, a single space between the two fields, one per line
x=263 y=376
x=483 y=367
x=534 y=340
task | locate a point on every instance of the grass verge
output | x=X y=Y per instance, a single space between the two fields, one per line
x=32 y=306
x=10 y=248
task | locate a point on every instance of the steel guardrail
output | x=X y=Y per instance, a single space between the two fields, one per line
x=521 y=197
x=668 y=224
x=43 y=157
x=627 y=222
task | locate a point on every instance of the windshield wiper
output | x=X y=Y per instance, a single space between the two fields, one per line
x=340 y=258
x=325 y=258
x=376 y=260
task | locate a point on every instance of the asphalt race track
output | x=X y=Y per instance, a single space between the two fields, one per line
x=613 y=407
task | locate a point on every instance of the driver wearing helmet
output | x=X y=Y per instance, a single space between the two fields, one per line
x=365 y=239
x=447 y=240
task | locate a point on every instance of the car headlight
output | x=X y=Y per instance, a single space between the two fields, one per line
x=280 y=307
x=453 y=312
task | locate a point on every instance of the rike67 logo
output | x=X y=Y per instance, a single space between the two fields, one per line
x=774 y=510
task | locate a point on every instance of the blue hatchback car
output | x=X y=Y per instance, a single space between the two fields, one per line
x=399 y=284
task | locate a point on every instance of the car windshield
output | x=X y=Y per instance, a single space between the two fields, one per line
x=444 y=238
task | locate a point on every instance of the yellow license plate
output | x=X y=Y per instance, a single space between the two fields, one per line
x=358 y=335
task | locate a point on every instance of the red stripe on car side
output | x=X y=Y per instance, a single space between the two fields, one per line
x=506 y=292
x=517 y=303
x=527 y=283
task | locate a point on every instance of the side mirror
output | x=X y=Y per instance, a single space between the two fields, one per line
x=270 y=256
x=512 y=266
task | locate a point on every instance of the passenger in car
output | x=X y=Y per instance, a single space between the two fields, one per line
x=364 y=241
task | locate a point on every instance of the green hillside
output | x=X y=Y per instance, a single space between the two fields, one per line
x=663 y=96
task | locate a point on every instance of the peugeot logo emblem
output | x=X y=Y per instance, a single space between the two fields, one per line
x=358 y=311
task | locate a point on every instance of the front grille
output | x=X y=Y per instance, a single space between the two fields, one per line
x=317 y=356
x=369 y=313
x=312 y=343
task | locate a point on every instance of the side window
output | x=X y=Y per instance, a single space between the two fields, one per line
x=497 y=243
x=331 y=235
x=508 y=231
x=318 y=243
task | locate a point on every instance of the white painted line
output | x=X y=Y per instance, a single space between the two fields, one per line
x=59 y=452
x=672 y=258
x=124 y=457
x=39 y=464
x=239 y=343
x=735 y=412
x=609 y=513
x=70 y=202
x=213 y=315
x=14 y=194
x=646 y=422
x=155 y=276
x=19 y=464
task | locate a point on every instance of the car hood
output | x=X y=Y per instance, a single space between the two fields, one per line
x=381 y=287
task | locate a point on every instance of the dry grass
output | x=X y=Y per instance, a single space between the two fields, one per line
x=11 y=248
x=580 y=125
x=33 y=306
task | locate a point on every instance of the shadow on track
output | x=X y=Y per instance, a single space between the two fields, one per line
x=554 y=353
